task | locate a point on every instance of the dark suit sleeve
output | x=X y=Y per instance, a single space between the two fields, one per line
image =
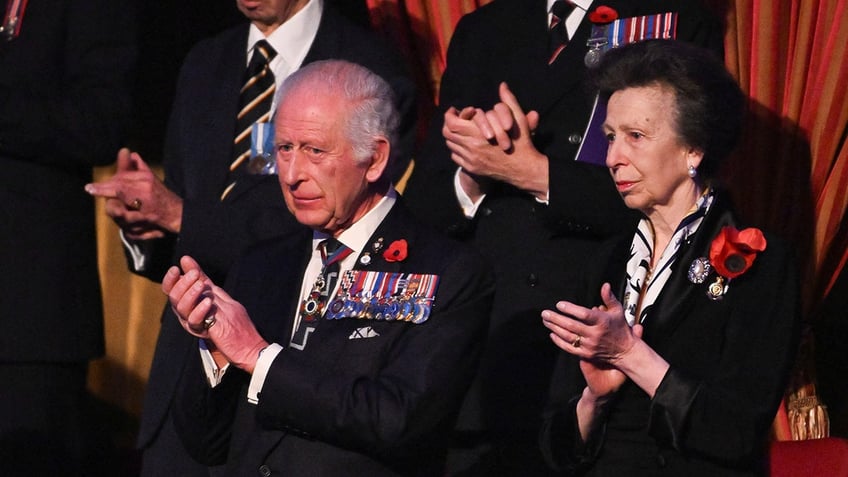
x=727 y=414
x=430 y=192
x=400 y=400
x=203 y=416
x=68 y=106
x=560 y=441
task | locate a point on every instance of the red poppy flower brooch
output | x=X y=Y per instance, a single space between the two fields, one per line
x=732 y=253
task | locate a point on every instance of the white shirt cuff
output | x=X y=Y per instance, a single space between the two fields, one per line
x=260 y=371
x=214 y=375
x=139 y=259
x=469 y=207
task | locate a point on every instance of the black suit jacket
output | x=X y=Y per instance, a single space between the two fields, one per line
x=539 y=252
x=64 y=107
x=342 y=406
x=198 y=152
x=730 y=361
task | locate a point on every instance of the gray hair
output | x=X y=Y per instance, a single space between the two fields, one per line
x=369 y=97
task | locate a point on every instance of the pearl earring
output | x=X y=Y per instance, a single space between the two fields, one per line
x=692 y=171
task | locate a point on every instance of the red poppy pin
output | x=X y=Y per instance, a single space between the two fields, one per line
x=396 y=251
x=603 y=15
x=732 y=253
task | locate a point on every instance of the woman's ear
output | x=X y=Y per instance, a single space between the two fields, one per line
x=694 y=156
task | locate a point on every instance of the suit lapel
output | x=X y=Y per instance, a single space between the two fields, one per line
x=327 y=43
x=679 y=294
x=394 y=227
x=530 y=59
x=230 y=74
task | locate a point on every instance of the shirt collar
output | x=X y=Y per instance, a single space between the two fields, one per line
x=572 y=23
x=357 y=235
x=582 y=4
x=292 y=39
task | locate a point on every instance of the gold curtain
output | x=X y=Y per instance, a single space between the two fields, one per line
x=132 y=306
x=791 y=173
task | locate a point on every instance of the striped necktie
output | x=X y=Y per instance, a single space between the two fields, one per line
x=557 y=32
x=255 y=100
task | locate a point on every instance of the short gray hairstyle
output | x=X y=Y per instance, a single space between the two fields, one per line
x=371 y=101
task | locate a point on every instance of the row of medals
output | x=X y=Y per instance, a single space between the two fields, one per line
x=364 y=304
x=402 y=305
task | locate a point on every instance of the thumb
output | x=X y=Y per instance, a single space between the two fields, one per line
x=138 y=163
x=511 y=101
x=124 y=163
x=609 y=299
x=638 y=330
x=532 y=120
x=187 y=263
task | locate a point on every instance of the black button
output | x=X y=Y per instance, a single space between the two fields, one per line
x=575 y=138
x=661 y=461
x=264 y=470
x=532 y=279
x=486 y=211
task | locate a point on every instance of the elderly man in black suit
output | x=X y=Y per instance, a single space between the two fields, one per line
x=189 y=213
x=526 y=204
x=302 y=371
x=65 y=97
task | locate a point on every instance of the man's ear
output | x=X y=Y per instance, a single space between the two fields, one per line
x=379 y=160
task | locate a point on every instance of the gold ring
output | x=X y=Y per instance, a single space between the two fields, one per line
x=135 y=204
x=208 y=322
x=576 y=342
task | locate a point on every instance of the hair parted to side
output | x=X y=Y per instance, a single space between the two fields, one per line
x=710 y=104
x=370 y=100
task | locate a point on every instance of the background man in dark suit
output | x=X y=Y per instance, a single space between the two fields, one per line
x=65 y=80
x=186 y=214
x=541 y=212
x=359 y=392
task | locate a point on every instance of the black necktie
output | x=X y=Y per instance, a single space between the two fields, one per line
x=558 y=35
x=255 y=100
x=312 y=307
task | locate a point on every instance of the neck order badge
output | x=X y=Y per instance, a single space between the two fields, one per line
x=312 y=307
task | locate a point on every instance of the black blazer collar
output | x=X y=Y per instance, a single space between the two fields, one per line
x=679 y=294
x=395 y=226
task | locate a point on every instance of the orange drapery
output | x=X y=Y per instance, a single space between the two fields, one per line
x=789 y=56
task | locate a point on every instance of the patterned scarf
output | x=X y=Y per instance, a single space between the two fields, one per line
x=643 y=287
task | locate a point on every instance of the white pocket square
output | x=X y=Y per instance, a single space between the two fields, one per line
x=364 y=332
